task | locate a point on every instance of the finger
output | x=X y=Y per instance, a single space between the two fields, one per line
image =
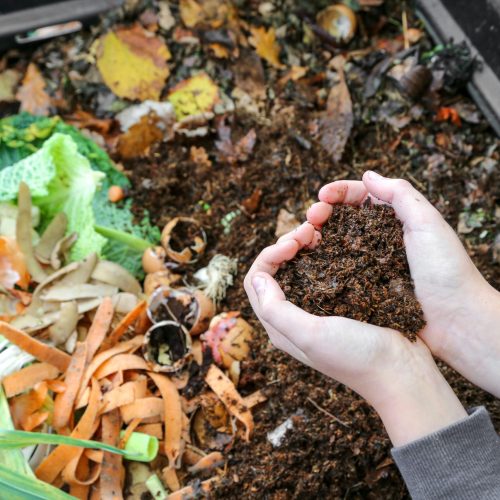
x=409 y=204
x=283 y=316
x=268 y=261
x=349 y=192
x=303 y=235
x=315 y=241
x=319 y=213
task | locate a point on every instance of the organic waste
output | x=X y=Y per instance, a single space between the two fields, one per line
x=67 y=172
x=235 y=116
x=359 y=270
x=80 y=382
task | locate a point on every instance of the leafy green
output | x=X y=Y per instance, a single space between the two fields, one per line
x=17 y=481
x=60 y=180
x=22 y=135
x=139 y=447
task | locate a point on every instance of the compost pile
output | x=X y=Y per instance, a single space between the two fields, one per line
x=232 y=115
x=358 y=271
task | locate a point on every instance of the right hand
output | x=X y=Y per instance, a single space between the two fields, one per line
x=461 y=309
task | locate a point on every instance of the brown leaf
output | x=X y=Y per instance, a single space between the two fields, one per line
x=200 y=156
x=336 y=122
x=233 y=153
x=266 y=46
x=83 y=119
x=138 y=138
x=251 y=204
x=31 y=94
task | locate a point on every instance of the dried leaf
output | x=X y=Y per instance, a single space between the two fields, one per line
x=191 y=12
x=295 y=73
x=233 y=153
x=194 y=96
x=8 y=82
x=219 y=50
x=138 y=138
x=336 y=122
x=32 y=93
x=199 y=156
x=133 y=63
x=83 y=119
x=13 y=270
x=266 y=46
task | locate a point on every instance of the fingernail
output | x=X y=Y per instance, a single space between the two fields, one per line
x=259 y=284
x=374 y=176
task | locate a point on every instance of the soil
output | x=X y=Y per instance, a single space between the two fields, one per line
x=337 y=447
x=319 y=457
x=358 y=271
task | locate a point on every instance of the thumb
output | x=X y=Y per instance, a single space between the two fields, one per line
x=288 y=319
x=411 y=207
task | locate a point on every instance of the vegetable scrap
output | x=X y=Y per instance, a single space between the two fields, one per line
x=108 y=379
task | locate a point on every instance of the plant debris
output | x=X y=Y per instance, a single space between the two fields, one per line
x=359 y=271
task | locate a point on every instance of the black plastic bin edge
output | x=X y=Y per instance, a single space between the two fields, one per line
x=485 y=86
x=21 y=21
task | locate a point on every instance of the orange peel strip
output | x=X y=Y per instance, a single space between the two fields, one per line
x=227 y=393
x=173 y=417
x=102 y=357
x=112 y=464
x=121 y=362
x=99 y=328
x=28 y=377
x=143 y=408
x=122 y=327
x=55 y=462
x=64 y=402
x=190 y=491
x=39 y=350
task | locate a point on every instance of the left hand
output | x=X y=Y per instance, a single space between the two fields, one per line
x=398 y=377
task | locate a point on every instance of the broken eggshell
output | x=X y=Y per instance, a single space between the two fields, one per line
x=153 y=259
x=211 y=424
x=228 y=337
x=155 y=280
x=193 y=309
x=184 y=240
x=339 y=21
x=167 y=346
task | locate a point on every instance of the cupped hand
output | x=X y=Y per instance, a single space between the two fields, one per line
x=399 y=378
x=461 y=309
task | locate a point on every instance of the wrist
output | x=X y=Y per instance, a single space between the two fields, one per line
x=418 y=403
x=473 y=346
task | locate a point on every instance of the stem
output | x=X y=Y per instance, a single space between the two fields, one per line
x=127 y=239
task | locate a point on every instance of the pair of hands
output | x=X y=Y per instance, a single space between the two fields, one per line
x=399 y=378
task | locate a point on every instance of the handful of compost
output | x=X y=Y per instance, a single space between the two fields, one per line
x=359 y=271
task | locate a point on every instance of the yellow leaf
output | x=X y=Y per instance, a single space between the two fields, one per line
x=266 y=46
x=32 y=93
x=194 y=96
x=133 y=63
x=191 y=13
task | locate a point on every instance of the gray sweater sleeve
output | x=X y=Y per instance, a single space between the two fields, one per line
x=461 y=461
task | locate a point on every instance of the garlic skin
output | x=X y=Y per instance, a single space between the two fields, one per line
x=217 y=277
